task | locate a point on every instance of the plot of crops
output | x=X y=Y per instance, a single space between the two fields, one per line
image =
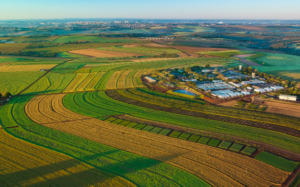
x=12 y=47
x=219 y=167
x=51 y=83
x=66 y=39
x=143 y=50
x=102 y=53
x=112 y=83
x=15 y=82
x=140 y=170
x=25 y=164
x=80 y=77
x=110 y=106
x=18 y=68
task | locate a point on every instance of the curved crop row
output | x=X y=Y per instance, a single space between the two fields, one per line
x=87 y=80
x=216 y=166
x=140 y=170
x=102 y=101
x=25 y=164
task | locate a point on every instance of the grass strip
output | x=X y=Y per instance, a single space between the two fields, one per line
x=139 y=126
x=175 y=134
x=132 y=124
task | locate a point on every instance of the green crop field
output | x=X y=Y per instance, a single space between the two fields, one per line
x=15 y=82
x=51 y=83
x=12 y=47
x=28 y=39
x=143 y=171
x=143 y=50
x=277 y=161
x=70 y=55
x=66 y=39
x=281 y=65
x=96 y=104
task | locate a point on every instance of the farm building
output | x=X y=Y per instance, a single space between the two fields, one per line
x=288 y=97
x=150 y=79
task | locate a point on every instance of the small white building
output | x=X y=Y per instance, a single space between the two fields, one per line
x=288 y=97
x=150 y=79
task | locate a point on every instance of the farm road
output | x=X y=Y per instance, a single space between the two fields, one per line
x=247 y=62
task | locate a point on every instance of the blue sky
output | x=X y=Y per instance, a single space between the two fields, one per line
x=160 y=9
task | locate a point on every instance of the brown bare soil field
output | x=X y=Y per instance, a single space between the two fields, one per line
x=26 y=164
x=283 y=108
x=102 y=53
x=198 y=49
x=254 y=28
x=216 y=166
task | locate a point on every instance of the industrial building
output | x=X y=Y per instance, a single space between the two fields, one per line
x=288 y=97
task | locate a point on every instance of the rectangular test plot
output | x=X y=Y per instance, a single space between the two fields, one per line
x=132 y=124
x=204 y=140
x=175 y=134
x=139 y=126
x=124 y=123
x=194 y=138
x=225 y=145
x=156 y=130
x=214 y=142
x=117 y=121
x=165 y=132
x=111 y=119
x=148 y=128
x=249 y=150
x=236 y=147
x=184 y=136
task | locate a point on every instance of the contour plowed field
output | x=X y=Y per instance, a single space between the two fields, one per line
x=25 y=164
x=217 y=167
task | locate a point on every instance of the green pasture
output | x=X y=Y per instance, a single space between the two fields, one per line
x=66 y=39
x=140 y=170
x=96 y=104
x=15 y=82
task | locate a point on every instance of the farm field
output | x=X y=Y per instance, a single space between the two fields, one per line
x=26 y=39
x=282 y=65
x=12 y=47
x=173 y=148
x=18 y=68
x=101 y=53
x=25 y=164
x=99 y=104
x=15 y=82
x=82 y=112
x=66 y=39
x=143 y=171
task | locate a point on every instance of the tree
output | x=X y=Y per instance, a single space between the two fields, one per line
x=216 y=70
x=207 y=66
